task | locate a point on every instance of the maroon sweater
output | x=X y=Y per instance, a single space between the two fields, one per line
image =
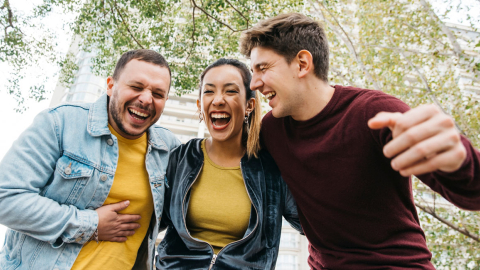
x=356 y=211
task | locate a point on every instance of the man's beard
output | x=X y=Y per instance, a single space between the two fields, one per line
x=115 y=112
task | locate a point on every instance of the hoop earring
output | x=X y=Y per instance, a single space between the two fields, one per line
x=201 y=116
x=245 y=121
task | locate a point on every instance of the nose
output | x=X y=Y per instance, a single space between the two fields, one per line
x=145 y=97
x=256 y=83
x=218 y=100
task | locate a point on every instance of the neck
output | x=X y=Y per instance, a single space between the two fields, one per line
x=225 y=153
x=316 y=95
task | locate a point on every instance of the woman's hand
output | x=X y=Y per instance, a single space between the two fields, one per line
x=115 y=227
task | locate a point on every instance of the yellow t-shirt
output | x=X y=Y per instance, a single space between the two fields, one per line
x=130 y=183
x=219 y=208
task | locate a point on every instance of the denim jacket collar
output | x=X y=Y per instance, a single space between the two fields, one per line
x=98 y=124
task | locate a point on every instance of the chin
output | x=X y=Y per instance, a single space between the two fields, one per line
x=277 y=113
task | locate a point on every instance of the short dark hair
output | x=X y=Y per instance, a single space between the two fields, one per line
x=148 y=56
x=250 y=137
x=287 y=34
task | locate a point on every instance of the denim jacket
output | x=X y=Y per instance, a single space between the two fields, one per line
x=54 y=176
x=258 y=249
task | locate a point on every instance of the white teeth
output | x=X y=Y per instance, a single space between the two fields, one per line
x=270 y=95
x=219 y=115
x=138 y=113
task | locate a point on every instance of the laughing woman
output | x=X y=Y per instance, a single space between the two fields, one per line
x=225 y=199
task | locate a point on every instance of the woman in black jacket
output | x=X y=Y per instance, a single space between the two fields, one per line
x=225 y=197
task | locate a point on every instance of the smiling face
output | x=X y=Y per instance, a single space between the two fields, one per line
x=223 y=103
x=276 y=80
x=137 y=97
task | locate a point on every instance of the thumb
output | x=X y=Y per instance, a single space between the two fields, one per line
x=120 y=206
x=384 y=119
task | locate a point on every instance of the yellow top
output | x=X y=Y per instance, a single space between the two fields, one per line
x=130 y=183
x=219 y=208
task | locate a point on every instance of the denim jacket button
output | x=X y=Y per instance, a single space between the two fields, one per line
x=68 y=170
x=78 y=239
x=103 y=177
x=110 y=142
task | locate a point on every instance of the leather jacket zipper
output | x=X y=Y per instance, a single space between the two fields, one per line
x=214 y=257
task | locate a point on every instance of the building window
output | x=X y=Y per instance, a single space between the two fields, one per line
x=289 y=240
x=287 y=262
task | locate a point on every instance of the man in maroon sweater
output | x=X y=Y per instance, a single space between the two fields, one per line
x=347 y=153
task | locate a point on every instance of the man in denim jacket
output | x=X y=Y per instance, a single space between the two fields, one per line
x=57 y=188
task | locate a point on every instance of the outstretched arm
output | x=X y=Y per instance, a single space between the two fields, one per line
x=425 y=142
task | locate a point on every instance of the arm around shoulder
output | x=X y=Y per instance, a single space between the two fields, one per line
x=25 y=172
x=290 y=210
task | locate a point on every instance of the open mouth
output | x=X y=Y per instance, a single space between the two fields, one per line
x=220 y=120
x=138 y=115
x=270 y=95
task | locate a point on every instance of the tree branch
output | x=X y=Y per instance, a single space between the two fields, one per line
x=6 y=4
x=407 y=50
x=422 y=77
x=348 y=42
x=240 y=13
x=338 y=73
x=217 y=20
x=160 y=9
x=124 y=23
x=462 y=57
x=193 y=37
x=453 y=40
x=463 y=231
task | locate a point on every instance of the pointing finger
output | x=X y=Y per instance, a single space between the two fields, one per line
x=384 y=119
x=414 y=117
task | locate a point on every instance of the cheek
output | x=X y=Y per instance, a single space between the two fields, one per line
x=159 y=106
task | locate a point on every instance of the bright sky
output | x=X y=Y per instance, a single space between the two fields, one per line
x=14 y=123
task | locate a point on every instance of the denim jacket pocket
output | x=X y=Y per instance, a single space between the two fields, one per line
x=71 y=177
x=12 y=249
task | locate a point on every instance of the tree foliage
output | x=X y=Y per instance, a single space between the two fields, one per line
x=400 y=47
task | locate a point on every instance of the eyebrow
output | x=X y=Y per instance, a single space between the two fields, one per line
x=225 y=85
x=257 y=66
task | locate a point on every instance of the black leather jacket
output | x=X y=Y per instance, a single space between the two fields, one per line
x=258 y=249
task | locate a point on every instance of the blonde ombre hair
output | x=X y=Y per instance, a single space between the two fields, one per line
x=250 y=136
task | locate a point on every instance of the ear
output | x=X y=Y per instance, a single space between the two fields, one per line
x=250 y=106
x=305 y=63
x=199 y=105
x=110 y=84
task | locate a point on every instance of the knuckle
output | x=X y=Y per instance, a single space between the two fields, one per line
x=421 y=150
x=401 y=125
x=411 y=136
x=447 y=121
x=461 y=153
x=454 y=137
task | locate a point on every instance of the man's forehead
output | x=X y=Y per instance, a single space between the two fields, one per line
x=261 y=56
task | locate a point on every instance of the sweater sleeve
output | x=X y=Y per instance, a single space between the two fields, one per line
x=462 y=187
